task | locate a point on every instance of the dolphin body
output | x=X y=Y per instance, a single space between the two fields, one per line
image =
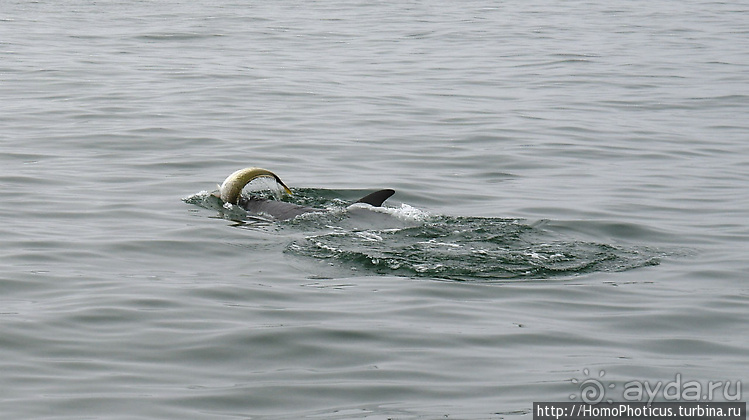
x=230 y=191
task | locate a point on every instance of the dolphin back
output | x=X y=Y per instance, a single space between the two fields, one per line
x=279 y=210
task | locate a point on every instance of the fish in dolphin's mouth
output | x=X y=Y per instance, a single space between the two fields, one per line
x=230 y=192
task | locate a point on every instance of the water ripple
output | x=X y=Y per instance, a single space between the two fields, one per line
x=471 y=249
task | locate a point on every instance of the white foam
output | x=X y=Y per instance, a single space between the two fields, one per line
x=435 y=242
x=404 y=212
x=369 y=236
x=200 y=195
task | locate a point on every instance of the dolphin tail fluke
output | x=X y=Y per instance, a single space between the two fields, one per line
x=376 y=198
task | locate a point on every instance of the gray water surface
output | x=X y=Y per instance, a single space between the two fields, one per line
x=572 y=196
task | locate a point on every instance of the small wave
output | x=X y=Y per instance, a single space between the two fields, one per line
x=209 y=201
x=177 y=36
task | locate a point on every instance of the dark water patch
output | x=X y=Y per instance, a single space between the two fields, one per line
x=471 y=249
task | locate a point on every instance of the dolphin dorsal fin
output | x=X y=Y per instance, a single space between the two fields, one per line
x=376 y=198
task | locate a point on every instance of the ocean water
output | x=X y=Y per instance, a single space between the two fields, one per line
x=572 y=202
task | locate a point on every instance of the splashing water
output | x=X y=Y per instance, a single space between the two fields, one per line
x=409 y=242
x=459 y=248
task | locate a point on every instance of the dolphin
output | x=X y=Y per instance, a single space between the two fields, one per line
x=230 y=191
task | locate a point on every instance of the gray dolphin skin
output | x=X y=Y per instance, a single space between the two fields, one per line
x=230 y=191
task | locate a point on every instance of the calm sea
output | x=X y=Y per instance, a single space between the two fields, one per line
x=572 y=204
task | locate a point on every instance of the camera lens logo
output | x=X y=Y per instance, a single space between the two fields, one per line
x=592 y=390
